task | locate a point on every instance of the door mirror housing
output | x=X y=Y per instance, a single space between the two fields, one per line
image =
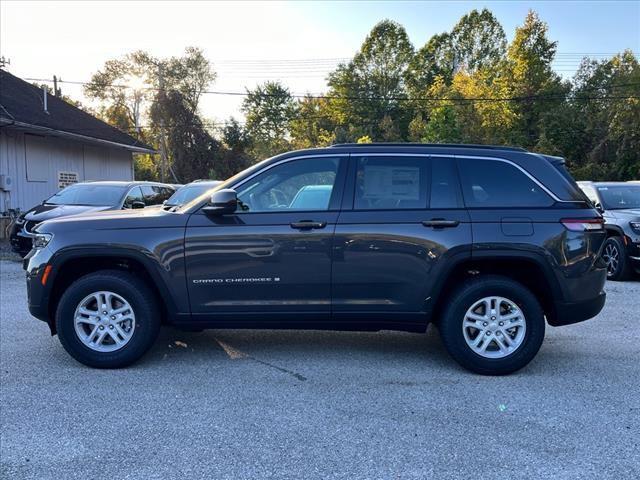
x=137 y=204
x=222 y=202
x=599 y=208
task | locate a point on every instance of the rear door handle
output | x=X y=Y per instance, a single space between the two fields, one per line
x=307 y=225
x=441 y=223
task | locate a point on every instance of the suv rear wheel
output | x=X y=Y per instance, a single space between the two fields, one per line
x=493 y=325
x=107 y=319
x=614 y=254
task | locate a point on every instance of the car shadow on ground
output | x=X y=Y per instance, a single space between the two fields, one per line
x=293 y=345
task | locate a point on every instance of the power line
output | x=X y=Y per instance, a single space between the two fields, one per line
x=373 y=97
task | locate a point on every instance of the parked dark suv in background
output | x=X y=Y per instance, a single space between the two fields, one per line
x=485 y=242
x=83 y=198
x=619 y=203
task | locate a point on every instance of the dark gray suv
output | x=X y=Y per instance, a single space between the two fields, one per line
x=619 y=203
x=488 y=243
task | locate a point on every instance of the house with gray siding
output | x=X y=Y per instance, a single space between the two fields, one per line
x=47 y=144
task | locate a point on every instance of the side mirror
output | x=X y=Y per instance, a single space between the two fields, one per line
x=137 y=204
x=222 y=202
x=599 y=208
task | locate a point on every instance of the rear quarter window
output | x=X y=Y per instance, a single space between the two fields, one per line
x=498 y=184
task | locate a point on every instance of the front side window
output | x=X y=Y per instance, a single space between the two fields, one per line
x=391 y=183
x=298 y=185
x=498 y=184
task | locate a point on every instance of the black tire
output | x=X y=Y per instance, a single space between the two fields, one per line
x=135 y=292
x=615 y=254
x=464 y=297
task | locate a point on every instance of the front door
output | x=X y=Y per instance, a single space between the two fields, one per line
x=272 y=258
x=403 y=224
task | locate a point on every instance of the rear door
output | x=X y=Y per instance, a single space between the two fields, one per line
x=402 y=225
x=272 y=258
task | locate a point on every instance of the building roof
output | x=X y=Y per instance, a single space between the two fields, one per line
x=22 y=105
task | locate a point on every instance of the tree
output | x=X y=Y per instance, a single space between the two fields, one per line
x=604 y=107
x=235 y=157
x=164 y=92
x=312 y=124
x=370 y=90
x=268 y=109
x=435 y=59
x=478 y=41
x=194 y=152
x=531 y=79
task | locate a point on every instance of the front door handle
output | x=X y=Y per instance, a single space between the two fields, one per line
x=307 y=225
x=440 y=223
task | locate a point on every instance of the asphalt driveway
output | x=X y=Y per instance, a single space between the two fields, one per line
x=269 y=404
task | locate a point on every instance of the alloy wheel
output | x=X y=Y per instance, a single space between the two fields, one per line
x=611 y=255
x=494 y=327
x=104 y=321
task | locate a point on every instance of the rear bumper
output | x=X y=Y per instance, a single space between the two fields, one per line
x=568 y=313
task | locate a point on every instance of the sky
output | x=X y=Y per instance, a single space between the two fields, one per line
x=297 y=43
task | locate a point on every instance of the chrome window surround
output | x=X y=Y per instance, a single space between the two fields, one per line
x=397 y=154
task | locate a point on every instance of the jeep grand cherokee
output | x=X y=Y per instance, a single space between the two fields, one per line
x=488 y=243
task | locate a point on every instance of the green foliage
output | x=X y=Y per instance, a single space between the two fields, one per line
x=467 y=85
x=368 y=92
x=269 y=110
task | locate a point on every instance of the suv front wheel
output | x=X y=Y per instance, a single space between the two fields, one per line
x=493 y=325
x=614 y=254
x=107 y=319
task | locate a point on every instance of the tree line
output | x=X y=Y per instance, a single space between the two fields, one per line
x=469 y=85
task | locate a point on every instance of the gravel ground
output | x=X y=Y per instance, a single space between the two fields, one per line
x=266 y=404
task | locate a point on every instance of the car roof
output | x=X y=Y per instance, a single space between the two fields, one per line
x=122 y=183
x=360 y=146
x=202 y=182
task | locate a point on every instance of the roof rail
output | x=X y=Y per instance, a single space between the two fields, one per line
x=451 y=145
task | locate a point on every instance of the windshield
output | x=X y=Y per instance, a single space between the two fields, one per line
x=88 y=194
x=189 y=192
x=620 y=196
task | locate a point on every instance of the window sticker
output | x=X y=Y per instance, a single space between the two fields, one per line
x=388 y=181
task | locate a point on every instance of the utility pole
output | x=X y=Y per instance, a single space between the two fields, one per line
x=57 y=92
x=163 y=149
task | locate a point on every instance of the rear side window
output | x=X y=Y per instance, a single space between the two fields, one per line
x=391 y=183
x=134 y=195
x=497 y=184
x=154 y=194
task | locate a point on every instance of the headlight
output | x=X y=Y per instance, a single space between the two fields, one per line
x=41 y=240
x=635 y=226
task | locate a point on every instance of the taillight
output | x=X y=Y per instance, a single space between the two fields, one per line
x=583 y=224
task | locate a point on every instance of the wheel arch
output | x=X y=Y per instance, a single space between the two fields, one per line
x=69 y=265
x=526 y=268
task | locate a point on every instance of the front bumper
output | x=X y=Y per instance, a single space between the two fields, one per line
x=633 y=252
x=37 y=293
x=19 y=240
x=568 y=313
